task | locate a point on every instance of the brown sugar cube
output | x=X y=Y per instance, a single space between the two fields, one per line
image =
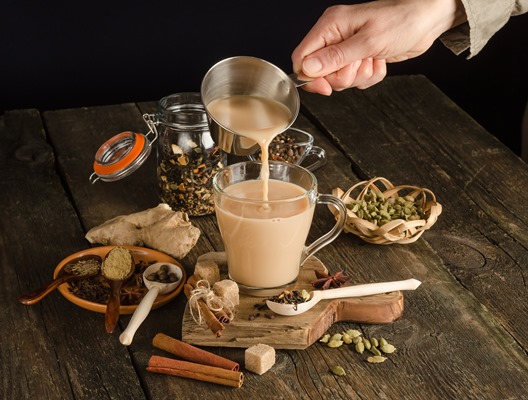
x=228 y=290
x=208 y=270
x=219 y=257
x=259 y=358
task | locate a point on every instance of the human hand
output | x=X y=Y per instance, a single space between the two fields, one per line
x=350 y=45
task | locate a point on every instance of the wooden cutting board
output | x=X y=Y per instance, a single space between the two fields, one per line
x=294 y=332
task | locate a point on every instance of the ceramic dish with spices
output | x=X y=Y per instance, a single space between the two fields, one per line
x=381 y=213
x=92 y=294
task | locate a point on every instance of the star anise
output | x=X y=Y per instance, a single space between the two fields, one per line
x=327 y=281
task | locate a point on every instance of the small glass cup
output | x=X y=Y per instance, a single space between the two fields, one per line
x=294 y=146
x=265 y=240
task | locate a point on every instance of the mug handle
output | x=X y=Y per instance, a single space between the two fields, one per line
x=318 y=152
x=331 y=235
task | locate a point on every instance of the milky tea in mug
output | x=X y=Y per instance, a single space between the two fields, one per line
x=265 y=239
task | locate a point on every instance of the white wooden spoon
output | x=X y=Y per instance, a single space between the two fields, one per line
x=348 y=291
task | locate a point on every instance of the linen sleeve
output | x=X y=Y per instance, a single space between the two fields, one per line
x=484 y=19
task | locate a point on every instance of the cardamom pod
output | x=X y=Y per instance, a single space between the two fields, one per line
x=376 y=359
x=388 y=348
x=347 y=338
x=374 y=342
x=336 y=336
x=375 y=351
x=325 y=338
x=353 y=332
x=383 y=342
x=367 y=343
x=360 y=347
x=335 y=343
x=337 y=370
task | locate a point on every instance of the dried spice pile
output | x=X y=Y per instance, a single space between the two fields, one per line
x=379 y=210
x=293 y=297
x=379 y=348
x=284 y=148
x=97 y=290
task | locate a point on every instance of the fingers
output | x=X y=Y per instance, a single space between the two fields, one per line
x=374 y=73
x=361 y=74
x=319 y=85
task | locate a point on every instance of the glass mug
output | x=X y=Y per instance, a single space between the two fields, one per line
x=265 y=240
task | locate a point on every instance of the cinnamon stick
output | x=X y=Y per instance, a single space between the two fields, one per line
x=193 y=280
x=210 y=319
x=191 y=353
x=185 y=369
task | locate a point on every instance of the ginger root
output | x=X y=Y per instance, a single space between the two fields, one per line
x=159 y=228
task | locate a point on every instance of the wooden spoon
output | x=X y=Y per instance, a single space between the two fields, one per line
x=68 y=273
x=347 y=291
x=114 y=301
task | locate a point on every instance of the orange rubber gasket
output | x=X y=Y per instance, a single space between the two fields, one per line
x=108 y=169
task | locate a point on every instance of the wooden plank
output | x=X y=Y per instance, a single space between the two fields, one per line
x=53 y=349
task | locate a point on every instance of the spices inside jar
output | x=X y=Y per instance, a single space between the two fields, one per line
x=188 y=158
x=185 y=178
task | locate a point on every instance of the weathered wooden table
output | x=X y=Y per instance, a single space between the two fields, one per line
x=464 y=332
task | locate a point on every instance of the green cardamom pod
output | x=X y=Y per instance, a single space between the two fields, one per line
x=374 y=342
x=383 y=342
x=325 y=338
x=376 y=359
x=375 y=351
x=335 y=343
x=367 y=343
x=337 y=370
x=353 y=333
x=336 y=336
x=360 y=347
x=356 y=339
x=347 y=338
x=388 y=348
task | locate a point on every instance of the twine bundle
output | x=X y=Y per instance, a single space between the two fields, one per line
x=397 y=230
x=215 y=303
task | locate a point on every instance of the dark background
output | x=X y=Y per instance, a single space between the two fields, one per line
x=70 y=54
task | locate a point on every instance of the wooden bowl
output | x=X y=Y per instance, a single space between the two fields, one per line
x=398 y=230
x=138 y=253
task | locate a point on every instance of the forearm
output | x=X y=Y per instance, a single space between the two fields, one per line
x=484 y=19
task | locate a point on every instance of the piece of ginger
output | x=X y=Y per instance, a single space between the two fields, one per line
x=159 y=228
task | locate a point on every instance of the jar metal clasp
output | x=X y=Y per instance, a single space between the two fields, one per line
x=124 y=153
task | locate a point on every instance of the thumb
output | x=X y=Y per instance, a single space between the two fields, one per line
x=334 y=57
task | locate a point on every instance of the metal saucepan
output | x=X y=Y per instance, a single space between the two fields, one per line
x=247 y=76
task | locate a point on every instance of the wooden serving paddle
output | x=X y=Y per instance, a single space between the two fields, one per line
x=252 y=326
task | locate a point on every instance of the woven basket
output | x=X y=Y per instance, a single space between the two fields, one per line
x=394 y=231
